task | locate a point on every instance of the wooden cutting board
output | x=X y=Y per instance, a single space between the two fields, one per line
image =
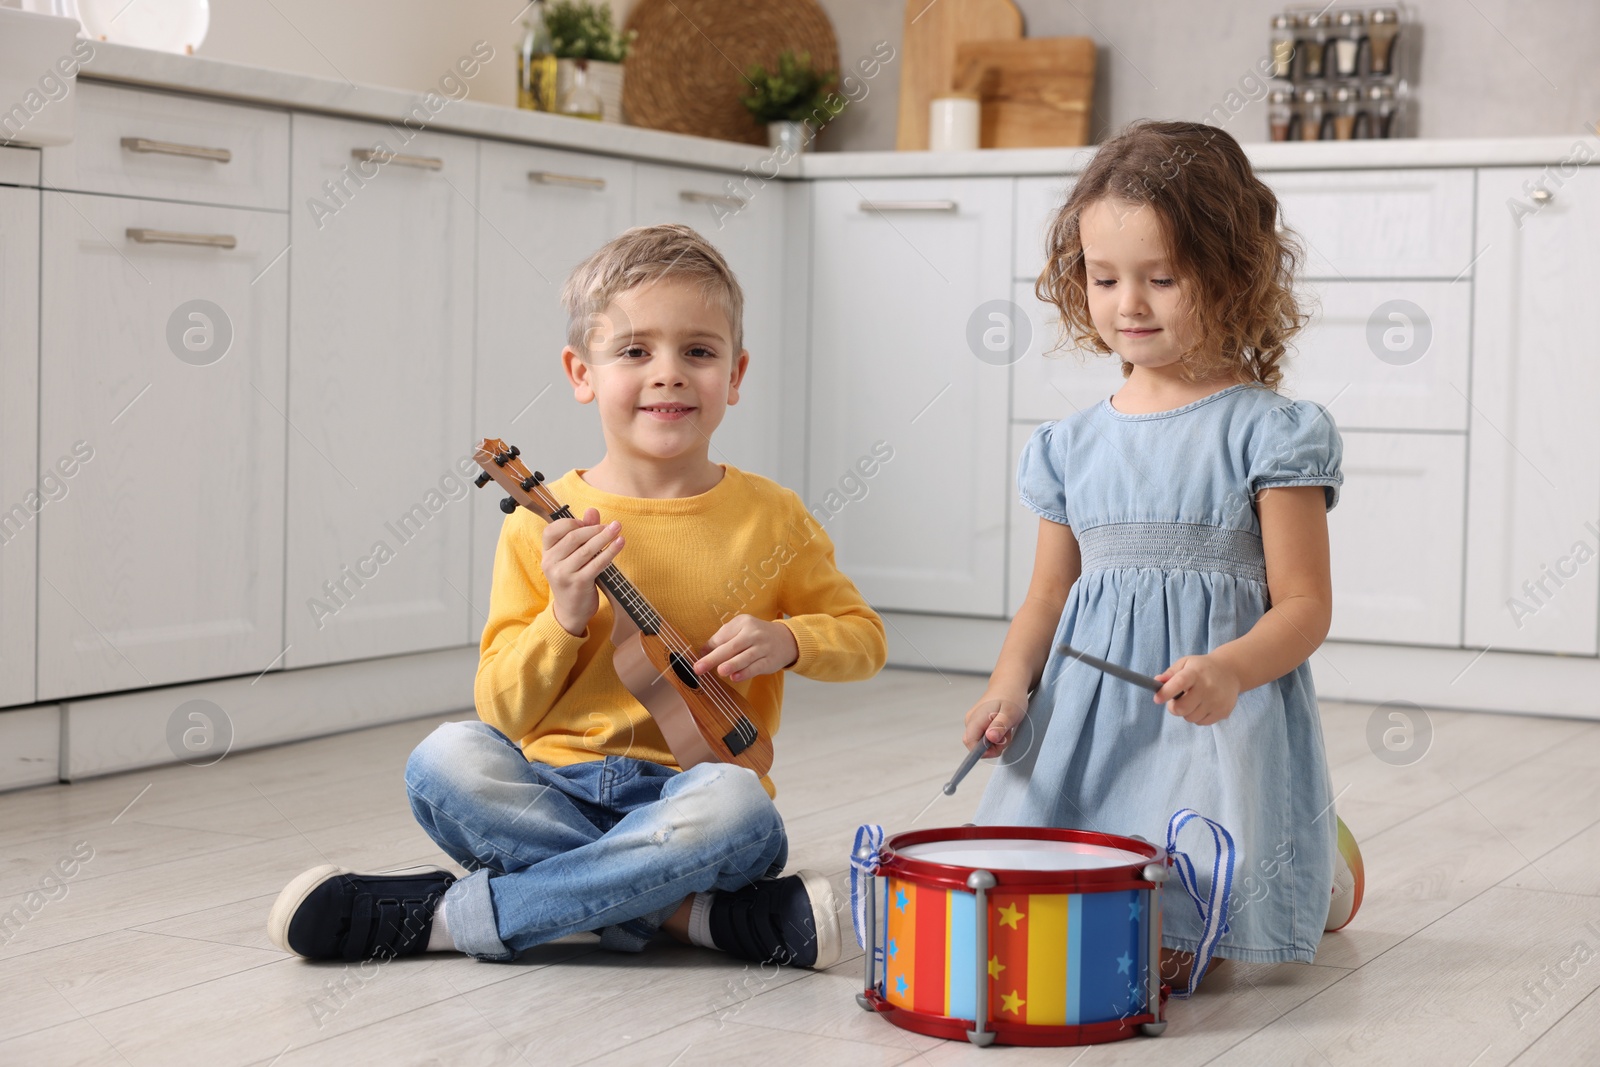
x=928 y=54
x=1035 y=93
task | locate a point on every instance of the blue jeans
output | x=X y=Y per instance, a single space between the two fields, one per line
x=612 y=845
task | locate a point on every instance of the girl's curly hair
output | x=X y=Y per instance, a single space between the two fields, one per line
x=1234 y=264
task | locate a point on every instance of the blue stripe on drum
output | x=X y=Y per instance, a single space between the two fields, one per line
x=1075 y=936
x=1172 y=546
x=963 y=960
x=1112 y=966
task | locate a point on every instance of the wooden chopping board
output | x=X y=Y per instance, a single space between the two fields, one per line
x=928 y=54
x=1035 y=93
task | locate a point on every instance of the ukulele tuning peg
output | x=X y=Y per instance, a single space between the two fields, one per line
x=515 y=451
x=481 y=480
x=529 y=483
x=538 y=477
x=508 y=505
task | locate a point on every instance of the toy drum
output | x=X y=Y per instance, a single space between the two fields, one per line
x=1021 y=935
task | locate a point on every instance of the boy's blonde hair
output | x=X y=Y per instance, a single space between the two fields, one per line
x=1236 y=263
x=641 y=255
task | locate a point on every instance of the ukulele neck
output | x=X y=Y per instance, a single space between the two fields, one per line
x=623 y=593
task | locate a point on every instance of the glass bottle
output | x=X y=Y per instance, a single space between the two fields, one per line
x=1314 y=44
x=1384 y=26
x=1285 y=32
x=1280 y=114
x=1313 y=110
x=1382 y=106
x=581 y=101
x=1347 y=43
x=1346 y=109
x=536 y=63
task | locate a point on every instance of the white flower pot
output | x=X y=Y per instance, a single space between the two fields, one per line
x=604 y=78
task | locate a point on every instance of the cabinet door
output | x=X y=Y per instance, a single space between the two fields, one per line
x=1395 y=539
x=900 y=270
x=542 y=213
x=380 y=391
x=21 y=495
x=1533 y=519
x=744 y=219
x=1379 y=223
x=162 y=388
x=1050 y=381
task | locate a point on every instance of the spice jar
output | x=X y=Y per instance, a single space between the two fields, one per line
x=1286 y=30
x=1347 y=113
x=1314 y=45
x=1347 y=43
x=1313 y=113
x=1383 y=28
x=1280 y=114
x=1382 y=106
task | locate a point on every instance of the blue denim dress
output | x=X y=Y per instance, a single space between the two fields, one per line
x=1162 y=506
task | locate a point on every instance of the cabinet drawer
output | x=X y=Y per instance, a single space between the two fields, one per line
x=1395 y=539
x=1379 y=224
x=1336 y=360
x=1038 y=200
x=1047 y=384
x=165 y=147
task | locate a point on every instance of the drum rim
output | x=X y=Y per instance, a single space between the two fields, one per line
x=952 y=876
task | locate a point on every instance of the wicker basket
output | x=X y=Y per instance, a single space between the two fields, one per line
x=685 y=72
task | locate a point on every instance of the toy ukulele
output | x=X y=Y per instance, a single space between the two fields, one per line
x=702 y=719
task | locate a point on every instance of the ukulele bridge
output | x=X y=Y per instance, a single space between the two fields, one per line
x=743 y=734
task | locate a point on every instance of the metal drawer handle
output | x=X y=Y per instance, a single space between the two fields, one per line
x=909 y=205
x=169 y=148
x=372 y=155
x=693 y=197
x=173 y=237
x=1542 y=196
x=549 y=177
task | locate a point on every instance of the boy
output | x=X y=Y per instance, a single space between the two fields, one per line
x=564 y=801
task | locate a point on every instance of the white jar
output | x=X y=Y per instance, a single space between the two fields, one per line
x=953 y=122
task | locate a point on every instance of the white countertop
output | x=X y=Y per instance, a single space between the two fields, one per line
x=259 y=85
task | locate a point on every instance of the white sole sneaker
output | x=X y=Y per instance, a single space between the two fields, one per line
x=825 y=914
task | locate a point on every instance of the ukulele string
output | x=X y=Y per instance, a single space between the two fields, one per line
x=676 y=642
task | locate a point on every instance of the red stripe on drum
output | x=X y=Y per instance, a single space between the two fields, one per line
x=927 y=985
x=1008 y=956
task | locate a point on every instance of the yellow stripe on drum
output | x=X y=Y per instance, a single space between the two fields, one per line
x=1047 y=960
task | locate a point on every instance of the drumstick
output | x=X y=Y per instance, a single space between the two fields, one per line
x=1115 y=671
x=966 y=766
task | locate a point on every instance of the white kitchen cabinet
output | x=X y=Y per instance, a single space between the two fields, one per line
x=1385 y=355
x=1394 y=541
x=743 y=218
x=900 y=270
x=21 y=496
x=380 y=391
x=1049 y=383
x=542 y=213
x=161 y=389
x=1533 y=518
x=1410 y=223
x=1038 y=201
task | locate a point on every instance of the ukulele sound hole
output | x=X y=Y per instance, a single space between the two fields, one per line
x=684 y=669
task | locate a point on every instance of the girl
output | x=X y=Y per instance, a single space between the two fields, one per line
x=1183 y=525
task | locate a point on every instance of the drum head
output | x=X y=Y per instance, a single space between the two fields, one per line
x=1021 y=854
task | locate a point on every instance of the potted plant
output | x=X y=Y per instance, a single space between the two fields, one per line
x=789 y=99
x=584 y=38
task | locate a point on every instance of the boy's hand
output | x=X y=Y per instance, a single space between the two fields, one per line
x=993 y=720
x=1209 y=686
x=575 y=552
x=748 y=646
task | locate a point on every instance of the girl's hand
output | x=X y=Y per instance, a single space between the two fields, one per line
x=748 y=646
x=993 y=720
x=575 y=552
x=1209 y=686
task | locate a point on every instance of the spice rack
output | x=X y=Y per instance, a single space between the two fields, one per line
x=1340 y=73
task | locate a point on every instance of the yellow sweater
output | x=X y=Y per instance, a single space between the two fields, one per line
x=746 y=547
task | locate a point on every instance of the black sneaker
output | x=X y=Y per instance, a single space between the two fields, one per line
x=791 y=920
x=329 y=913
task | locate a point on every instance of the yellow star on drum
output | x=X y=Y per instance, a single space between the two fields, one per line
x=1010 y=916
x=995 y=966
x=1012 y=1002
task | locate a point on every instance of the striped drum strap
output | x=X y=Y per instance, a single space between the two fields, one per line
x=1214 y=910
x=863 y=868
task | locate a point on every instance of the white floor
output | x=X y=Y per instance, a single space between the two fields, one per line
x=1478 y=943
